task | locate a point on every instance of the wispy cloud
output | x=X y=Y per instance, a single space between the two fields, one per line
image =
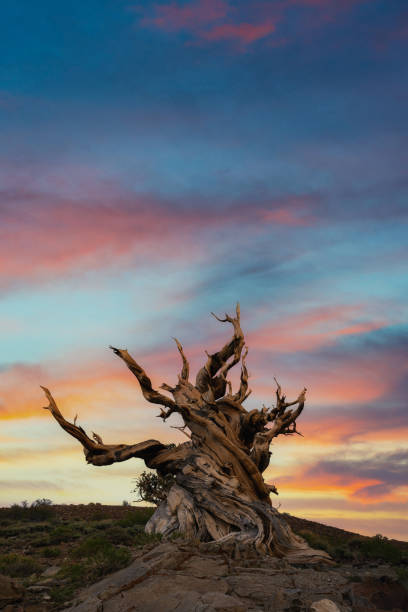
x=48 y=229
x=218 y=20
x=313 y=328
x=367 y=478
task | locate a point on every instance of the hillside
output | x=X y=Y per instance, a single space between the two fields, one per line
x=51 y=555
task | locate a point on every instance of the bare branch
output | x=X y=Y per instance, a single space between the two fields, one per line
x=149 y=393
x=98 y=453
x=243 y=392
x=167 y=387
x=182 y=429
x=97 y=438
x=71 y=428
x=218 y=362
x=283 y=419
x=186 y=368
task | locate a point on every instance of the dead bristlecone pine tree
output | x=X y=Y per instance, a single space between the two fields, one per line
x=219 y=493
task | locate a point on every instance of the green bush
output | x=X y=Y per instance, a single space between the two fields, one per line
x=40 y=510
x=152 y=487
x=51 y=552
x=378 y=548
x=18 y=565
x=40 y=540
x=118 y=535
x=98 y=513
x=402 y=573
x=63 y=593
x=360 y=549
x=102 y=524
x=315 y=541
x=138 y=516
x=101 y=556
x=63 y=533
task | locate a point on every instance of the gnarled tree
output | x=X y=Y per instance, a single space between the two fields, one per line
x=220 y=494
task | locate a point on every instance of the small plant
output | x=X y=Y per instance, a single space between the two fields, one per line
x=101 y=556
x=152 y=487
x=360 y=549
x=379 y=548
x=402 y=574
x=40 y=540
x=51 y=552
x=63 y=533
x=40 y=510
x=18 y=565
x=141 y=538
x=98 y=513
x=138 y=516
x=63 y=593
x=118 y=535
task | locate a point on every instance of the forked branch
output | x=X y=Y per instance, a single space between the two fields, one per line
x=218 y=363
x=284 y=420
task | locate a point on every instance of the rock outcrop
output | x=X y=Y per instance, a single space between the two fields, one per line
x=195 y=577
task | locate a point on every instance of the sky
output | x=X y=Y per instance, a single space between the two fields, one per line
x=162 y=160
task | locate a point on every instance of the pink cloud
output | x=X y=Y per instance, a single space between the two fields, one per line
x=174 y=17
x=210 y=20
x=216 y=20
x=293 y=210
x=246 y=33
x=312 y=329
x=52 y=225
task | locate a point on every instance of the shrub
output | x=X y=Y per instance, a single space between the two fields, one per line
x=97 y=512
x=402 y=574
x=18 y=565
x=101 y=556
x=138 y=516
x=141 y=537
x=40 y=510
x=118 y=535
x=63 y=533
x=63 y=593
x=40 y=540
x=378 y=548
x=153 y=488
x=361 y=549
x=51 y=552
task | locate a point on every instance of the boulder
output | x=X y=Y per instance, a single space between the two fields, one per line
x=51 y=571
x=324 y=605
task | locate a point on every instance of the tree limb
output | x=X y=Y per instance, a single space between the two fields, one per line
x=149 y=393
x=282 y=418
x=186 y=368
x=218 y=362
x=95 y=451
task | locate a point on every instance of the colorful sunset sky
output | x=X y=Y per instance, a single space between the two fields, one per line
x=162 y=160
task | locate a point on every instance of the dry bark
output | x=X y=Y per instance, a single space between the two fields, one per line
x=220 y=494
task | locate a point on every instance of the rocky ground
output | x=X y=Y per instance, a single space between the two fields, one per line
x=187 y=576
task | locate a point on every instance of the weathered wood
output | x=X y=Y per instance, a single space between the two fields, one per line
x=220 y=494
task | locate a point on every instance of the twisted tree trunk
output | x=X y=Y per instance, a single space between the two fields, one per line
x=220 y=494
